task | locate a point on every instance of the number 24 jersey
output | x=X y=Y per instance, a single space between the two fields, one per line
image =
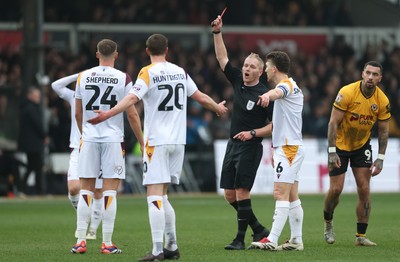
x=101 y=88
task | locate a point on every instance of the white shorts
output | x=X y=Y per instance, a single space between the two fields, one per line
x=163 y=164
x=73 y=173
x=107 y=158
x=287 y=163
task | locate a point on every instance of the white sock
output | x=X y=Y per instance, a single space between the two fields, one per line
x=109 y=211
x=95 y=218
x=157 y=222
x=74 y=200
x=296 y=215
x=280 y=216
x=170 y=225
x=83 y=214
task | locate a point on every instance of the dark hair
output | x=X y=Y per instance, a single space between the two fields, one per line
x=374 y=64
x=157 y=44
x=107 y=47
x=280 y=59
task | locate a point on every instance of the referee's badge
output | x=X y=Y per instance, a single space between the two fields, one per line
x=250 y=105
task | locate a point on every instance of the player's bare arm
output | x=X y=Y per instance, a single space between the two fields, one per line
x=336 y=118
x=122 y=106
x=383 y=136
x=136 y=126
x=271 y=95
x=208 y=103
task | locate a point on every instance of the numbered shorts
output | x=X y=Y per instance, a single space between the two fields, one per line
x=240 y=164
x=359 y=158
x=106 y=158
x=73 y=172
x=287 y=163
x=162 y=164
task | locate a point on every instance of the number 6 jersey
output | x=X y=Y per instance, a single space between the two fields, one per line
x=164 y=88
x=101 y=88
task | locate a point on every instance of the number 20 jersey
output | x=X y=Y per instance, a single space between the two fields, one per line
x=164 y=88
x=101 y=88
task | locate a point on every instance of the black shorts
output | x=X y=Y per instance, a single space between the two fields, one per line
x=359 y=158
x=240 y=164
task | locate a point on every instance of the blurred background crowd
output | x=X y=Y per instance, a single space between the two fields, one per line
x=320 y=74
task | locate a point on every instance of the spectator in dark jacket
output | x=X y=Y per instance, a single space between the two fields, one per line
x=32 y=138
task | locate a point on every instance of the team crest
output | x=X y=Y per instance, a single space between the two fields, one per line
x=118 y=170
x=339 y=98
x=374 y=107
x=250 y=105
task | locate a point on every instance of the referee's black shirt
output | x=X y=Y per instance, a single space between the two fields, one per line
x=246 y=115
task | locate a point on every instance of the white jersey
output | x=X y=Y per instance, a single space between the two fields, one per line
x=60 y=87
x=287 y=115
x=164 y=88
x=101 y=88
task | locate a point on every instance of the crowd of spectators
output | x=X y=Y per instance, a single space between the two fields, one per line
x=320 y=75
x=195 y=12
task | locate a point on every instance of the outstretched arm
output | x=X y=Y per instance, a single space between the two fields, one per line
x=122 y=105
x=271 y=95
x=209 y=103
x=219 y=45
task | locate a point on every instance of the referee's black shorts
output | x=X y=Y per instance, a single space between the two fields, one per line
x=358 y=158
x=240 y=164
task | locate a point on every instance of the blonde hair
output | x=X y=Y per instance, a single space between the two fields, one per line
x=256 y=56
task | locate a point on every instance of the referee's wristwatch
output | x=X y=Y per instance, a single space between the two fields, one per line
x=253 y=133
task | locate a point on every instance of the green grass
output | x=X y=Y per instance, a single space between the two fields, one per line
x=42 y=229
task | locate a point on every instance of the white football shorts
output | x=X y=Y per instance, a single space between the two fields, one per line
x=287 y=163
x=162 y=164
x=107 y=158
x=73 y=173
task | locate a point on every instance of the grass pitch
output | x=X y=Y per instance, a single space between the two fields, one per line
x=42 y=229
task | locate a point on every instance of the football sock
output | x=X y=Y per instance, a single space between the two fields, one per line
x=170 y=228
x=253 y=221
x=361 y=229
x=279 y=219
x=157 y=222
x=296 y=215
x=83 y=214
x=95 y=218
x=74 y=200
x=109 y=211
x=243 y=215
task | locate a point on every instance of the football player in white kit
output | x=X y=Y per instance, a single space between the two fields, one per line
x=164 y=88
x=288 y=156
x=60 y=87
x=102 y=148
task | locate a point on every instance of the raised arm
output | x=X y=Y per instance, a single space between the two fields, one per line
x=219 y=45
x=60 y=86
